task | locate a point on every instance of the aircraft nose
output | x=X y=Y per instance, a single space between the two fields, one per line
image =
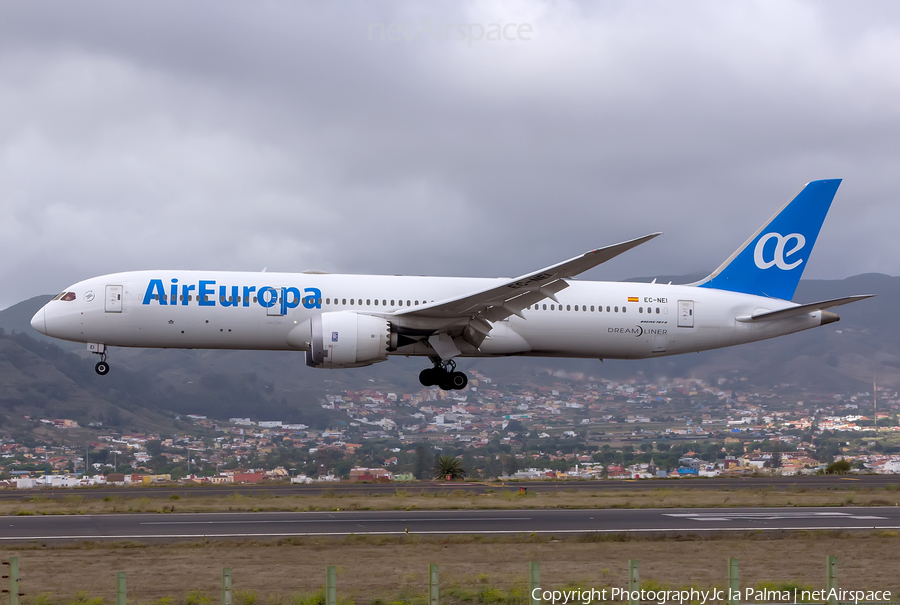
x=39 y=322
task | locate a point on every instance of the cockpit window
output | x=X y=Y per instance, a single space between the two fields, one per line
x=68 y=296
x=58 y=296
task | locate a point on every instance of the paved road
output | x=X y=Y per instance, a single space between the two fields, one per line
x=338 y=489
x=234 y=525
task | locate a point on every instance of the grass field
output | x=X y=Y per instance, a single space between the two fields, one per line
x=385 y=570
x=144 y=500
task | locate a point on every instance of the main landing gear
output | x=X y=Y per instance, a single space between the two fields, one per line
x=444 y=375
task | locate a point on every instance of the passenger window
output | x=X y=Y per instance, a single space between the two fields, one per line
x=607 y=308
x=640 y=309
x=408 y=304
x=624 y=308
x=376 y=302
x=617 y=309
x=568 y=307
x=383 y=303
x=351 y=301
x=657 y=310
x=553 y=307
x=254 y=299
x=592 y=308
x=392 y=302
x=545 y=307
x=327 y=301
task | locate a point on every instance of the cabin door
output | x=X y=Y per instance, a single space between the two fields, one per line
x=685 y=314
x=113 y=299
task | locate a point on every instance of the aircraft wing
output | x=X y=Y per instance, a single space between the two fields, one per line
x=481 y=308
x=803 y=309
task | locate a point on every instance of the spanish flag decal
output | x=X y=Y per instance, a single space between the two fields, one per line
x=633 y=299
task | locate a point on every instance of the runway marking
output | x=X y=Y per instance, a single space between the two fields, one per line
x=761 y=516
x=401 y=533
x=390 y=520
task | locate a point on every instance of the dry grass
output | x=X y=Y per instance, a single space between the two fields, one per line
x=394 y=568
x=144 y=500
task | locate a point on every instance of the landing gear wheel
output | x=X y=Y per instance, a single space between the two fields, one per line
x=428 y=377
x=444 y=375
x=446 y=382
x=458 y=380
x=102 y=368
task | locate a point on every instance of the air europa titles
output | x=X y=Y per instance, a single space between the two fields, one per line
x=207 y=294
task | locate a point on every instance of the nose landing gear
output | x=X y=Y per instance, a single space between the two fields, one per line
x=444 y=375
x=102 y=366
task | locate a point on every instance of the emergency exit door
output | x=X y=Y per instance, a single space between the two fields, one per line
x=685 y=314
x=113 y=299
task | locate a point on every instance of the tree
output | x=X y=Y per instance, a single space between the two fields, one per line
x=154 y=447
x=449 y=467
x=423 y=462
x=838 y=467
x=469 y=464
x=510 y=464
x=515 y=426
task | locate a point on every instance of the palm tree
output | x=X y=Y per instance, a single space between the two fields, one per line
x=449 y=468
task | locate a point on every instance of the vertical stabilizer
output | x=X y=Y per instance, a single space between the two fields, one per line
x=771 y=262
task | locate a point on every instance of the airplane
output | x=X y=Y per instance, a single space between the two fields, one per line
x=349 y=321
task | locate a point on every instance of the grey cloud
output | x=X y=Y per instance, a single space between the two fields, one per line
x=228 y=135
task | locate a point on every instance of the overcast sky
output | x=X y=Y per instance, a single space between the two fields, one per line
x=293 y=136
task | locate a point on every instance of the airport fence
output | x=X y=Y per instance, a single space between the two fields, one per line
x=634 y=594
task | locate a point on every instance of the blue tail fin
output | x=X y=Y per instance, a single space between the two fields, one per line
x=771 y=262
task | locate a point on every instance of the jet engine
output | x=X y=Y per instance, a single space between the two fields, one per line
x=345 y=339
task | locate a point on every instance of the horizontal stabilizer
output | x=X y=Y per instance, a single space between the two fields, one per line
x=803 y=309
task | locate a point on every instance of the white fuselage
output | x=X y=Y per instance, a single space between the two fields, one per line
x=228 y=310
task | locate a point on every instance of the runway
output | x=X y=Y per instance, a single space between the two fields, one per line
x=155 y=527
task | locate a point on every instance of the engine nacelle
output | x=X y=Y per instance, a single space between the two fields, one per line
x=345 y=339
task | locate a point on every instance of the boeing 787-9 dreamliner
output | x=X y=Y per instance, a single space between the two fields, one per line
x=348 y=321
